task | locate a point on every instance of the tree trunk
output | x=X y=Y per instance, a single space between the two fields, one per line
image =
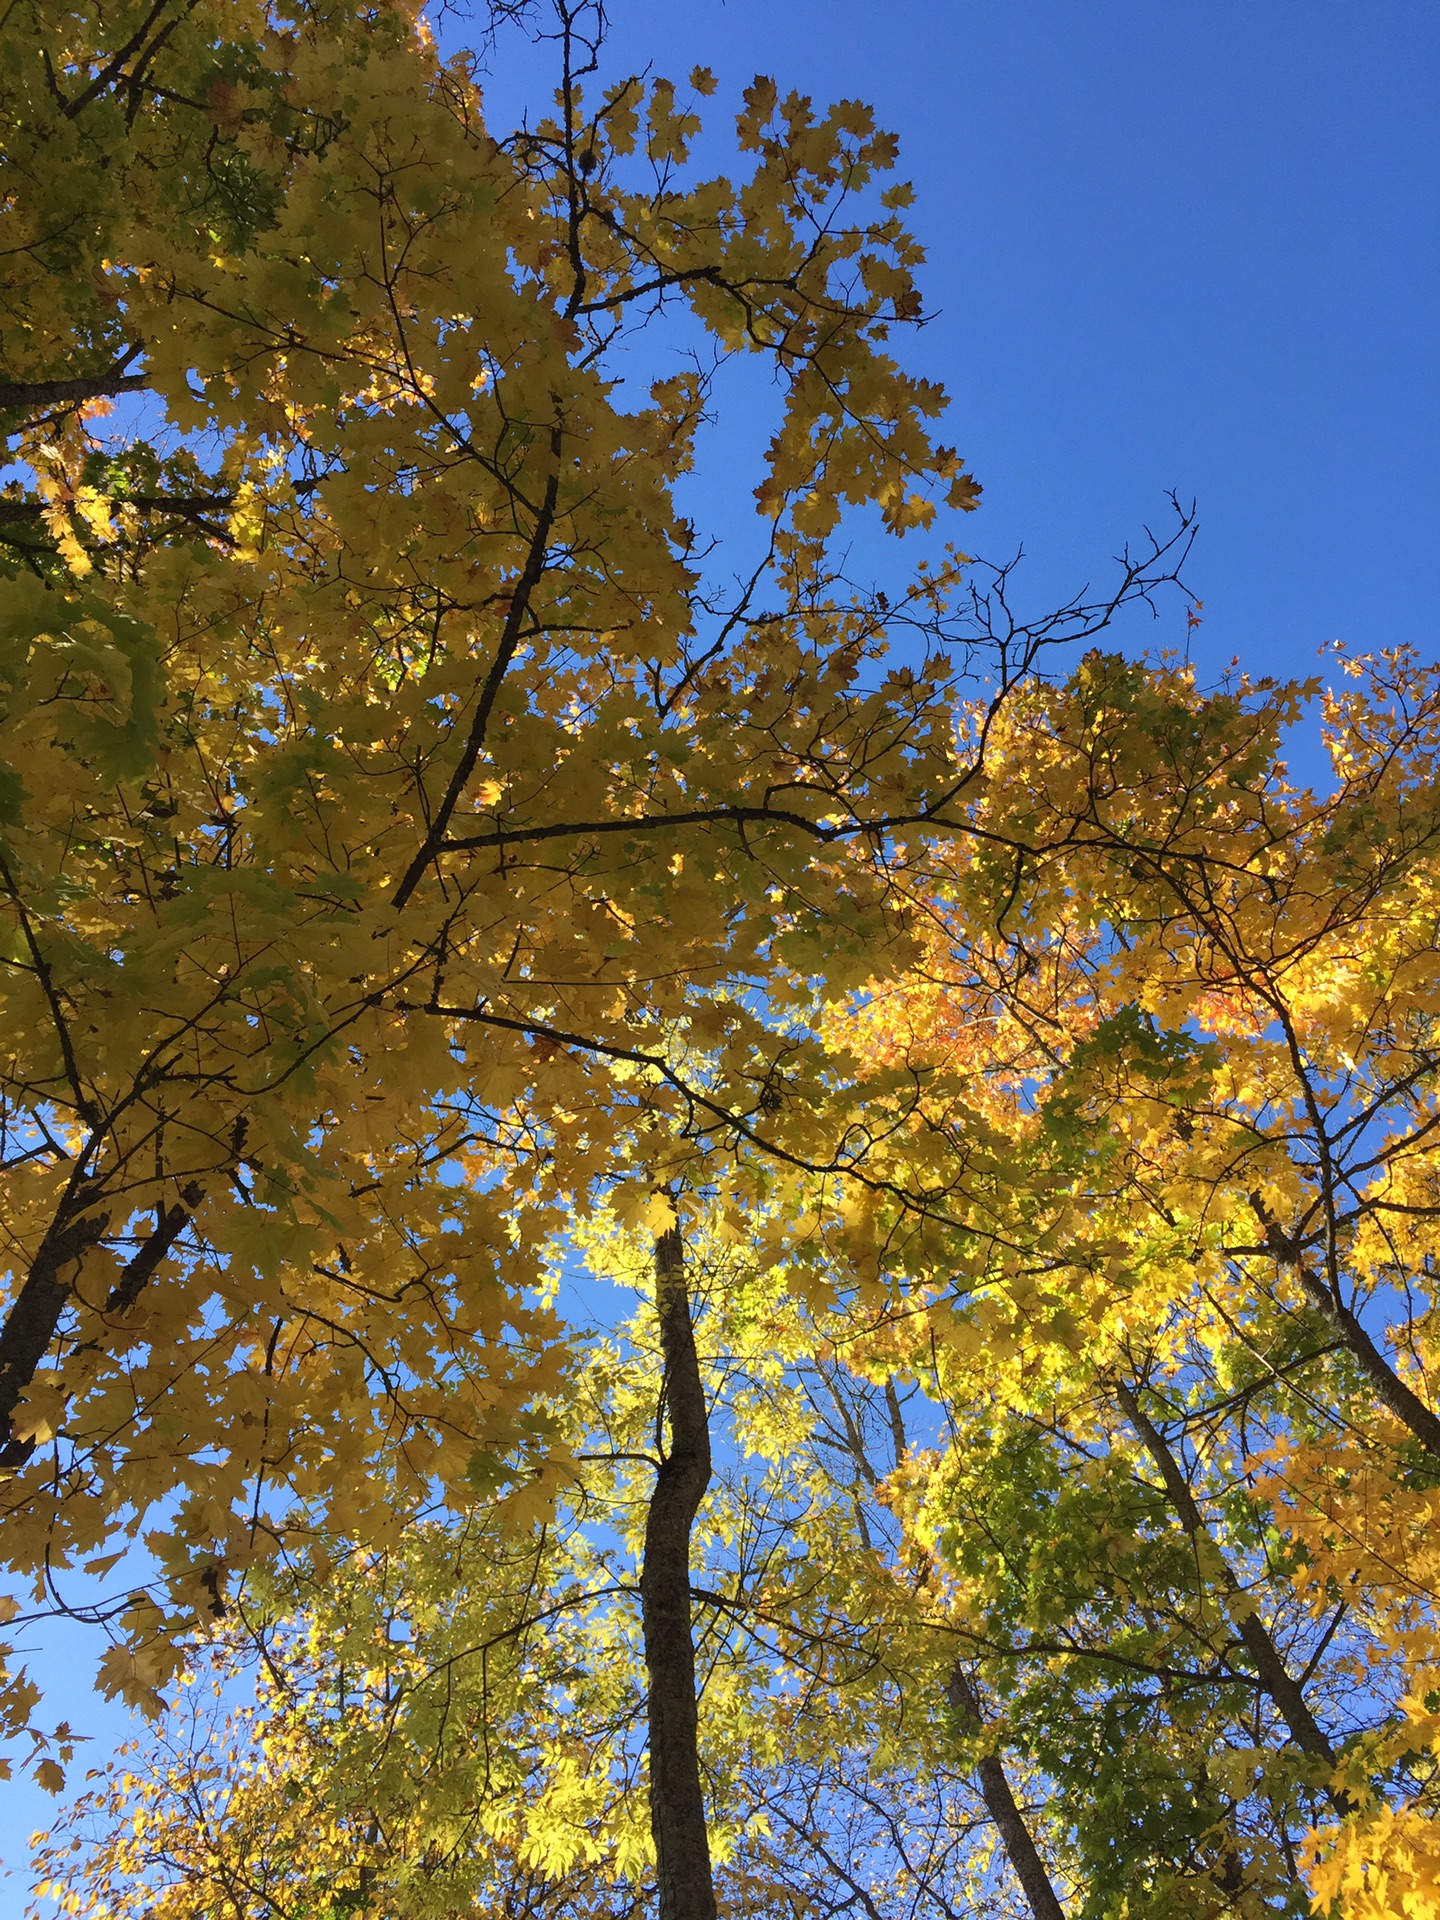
x=34 y=1315
x=1274 y=1676
x=1406 y=1405
x=677 y=1804
x=1020 y=1848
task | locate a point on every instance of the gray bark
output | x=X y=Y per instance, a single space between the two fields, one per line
x=1020 y=1849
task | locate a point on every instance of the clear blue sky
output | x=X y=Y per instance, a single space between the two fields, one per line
x=1171 y=245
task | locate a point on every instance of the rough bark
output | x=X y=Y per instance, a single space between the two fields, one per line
x=677 y=1803
x=1020 y=1849
x=1270 y=1669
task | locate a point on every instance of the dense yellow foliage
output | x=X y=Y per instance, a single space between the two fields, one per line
x=379 y=786
x=411 y=848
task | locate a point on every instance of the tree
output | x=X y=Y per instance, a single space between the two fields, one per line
x=360 y=743
x=410 y=841
x=461 y=1721
x=1164 y=1533
x=1214 y=1338
x=400 y=819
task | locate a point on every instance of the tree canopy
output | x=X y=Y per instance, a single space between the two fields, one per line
x=431 y=865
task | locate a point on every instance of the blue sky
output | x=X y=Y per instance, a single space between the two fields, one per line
x=1171 y=245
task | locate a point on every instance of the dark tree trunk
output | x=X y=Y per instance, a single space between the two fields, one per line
x=17 y=395
x=1020 y=1848
x=677 y=1804
x=34 y=1315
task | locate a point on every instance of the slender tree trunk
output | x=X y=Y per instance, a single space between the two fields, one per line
x=677 y=1804
x=1274 y=1676
x=1020 y=1848
x=1406 y=1405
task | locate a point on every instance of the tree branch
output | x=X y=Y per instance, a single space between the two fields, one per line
x=25 y=395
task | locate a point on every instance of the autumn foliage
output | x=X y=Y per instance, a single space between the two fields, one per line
x=435 y=873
